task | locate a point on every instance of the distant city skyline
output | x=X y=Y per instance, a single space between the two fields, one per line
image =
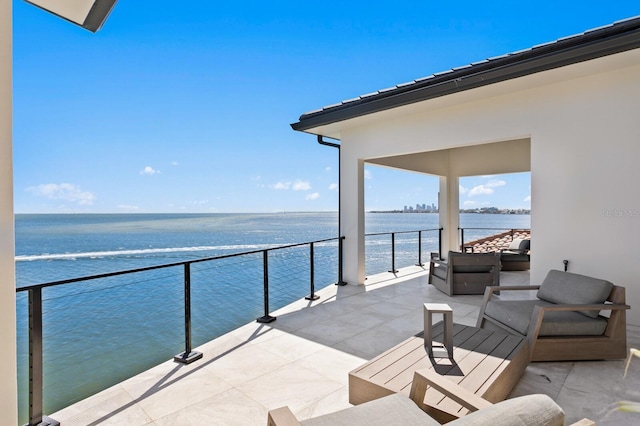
x=185 y=107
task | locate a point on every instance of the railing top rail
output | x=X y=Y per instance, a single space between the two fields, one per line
x=400 y=232
x=166 y=265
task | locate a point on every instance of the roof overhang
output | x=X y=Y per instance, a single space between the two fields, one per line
x=616 y=38
x=89 y=14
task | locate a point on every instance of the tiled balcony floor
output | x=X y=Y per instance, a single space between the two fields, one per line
x=302 y=360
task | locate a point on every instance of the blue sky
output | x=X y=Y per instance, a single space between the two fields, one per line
x=185 y=106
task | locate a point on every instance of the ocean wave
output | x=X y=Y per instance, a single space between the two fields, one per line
x=138 y=252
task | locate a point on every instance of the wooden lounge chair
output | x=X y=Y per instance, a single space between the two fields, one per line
x=563 y=323
x=397 y=409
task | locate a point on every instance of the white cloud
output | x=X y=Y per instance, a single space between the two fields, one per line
x=148 y=170
x=469 y=203
x=486 y=189
x=368 y=175
x=128 y=207
x=63 y=191
x=174 y=163
x=462 y=189
x=334 y=187
x=281 y=185
x=527 y=199
x=313 y=196
x=327 y=169
x=495 y=183
x=480 y=190
x=300 y=185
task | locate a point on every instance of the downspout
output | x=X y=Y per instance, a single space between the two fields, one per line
x=321 y=141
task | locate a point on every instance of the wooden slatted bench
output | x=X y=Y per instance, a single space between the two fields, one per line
x=485 y=362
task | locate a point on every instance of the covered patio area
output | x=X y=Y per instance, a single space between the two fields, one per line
x=303 y=359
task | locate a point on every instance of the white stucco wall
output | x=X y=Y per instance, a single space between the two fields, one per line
x=8 y=383
x=584 y=130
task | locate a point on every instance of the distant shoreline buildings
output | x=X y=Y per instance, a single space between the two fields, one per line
x=424 y=208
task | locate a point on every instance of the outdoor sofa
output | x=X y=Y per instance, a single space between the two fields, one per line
x=516 y=257
x=566 y=321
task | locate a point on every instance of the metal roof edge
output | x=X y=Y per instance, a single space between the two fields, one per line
x=616 y=38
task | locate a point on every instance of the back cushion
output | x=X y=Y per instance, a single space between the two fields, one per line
x=574 y=289
x=519 y=245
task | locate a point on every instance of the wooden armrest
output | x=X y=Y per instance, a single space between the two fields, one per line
x=282 y=417
x=584 y=422
x=592 y=307
x=424 y=378
x=488 y=294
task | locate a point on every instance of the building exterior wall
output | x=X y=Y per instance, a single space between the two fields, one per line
x=584 y=135
x=8 y=384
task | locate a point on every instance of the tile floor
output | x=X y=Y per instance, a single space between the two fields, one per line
x=302 y=360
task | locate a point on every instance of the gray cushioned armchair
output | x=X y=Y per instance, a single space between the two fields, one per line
x=564 y=321
x=464 y=273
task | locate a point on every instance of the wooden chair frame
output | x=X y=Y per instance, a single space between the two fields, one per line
x=422 y=380
x=611 y=345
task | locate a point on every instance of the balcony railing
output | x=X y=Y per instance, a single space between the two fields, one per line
x=414 y=240
x=35 y=308
x=279 y=258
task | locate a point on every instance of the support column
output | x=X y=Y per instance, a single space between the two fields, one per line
x=352 y=216
x=8 y=369
x=449 y=208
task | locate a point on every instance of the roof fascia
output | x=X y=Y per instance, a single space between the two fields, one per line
x=544 y=58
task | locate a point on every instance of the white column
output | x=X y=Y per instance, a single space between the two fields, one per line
x=8 y=371
x=352 y=216
x=449 y=208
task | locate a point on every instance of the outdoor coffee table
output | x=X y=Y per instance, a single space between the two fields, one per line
x=485 y=362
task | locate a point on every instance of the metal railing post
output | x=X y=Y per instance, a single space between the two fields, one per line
x=461 y=239
x=393 y=253
x=419 y=249
x=265 y=269
x=313 y=295
x=341 y=281
x=188 y=356
x=36 y=362
x=440 y=242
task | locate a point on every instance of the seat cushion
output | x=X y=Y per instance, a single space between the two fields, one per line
x=568 y=288
x=395 y=409
x=529 y=410
x=516 y=314
x=512 y=256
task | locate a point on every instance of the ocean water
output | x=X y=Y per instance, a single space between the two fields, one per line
x=99 y=332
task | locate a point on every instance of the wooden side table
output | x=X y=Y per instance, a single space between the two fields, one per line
x=438 y=351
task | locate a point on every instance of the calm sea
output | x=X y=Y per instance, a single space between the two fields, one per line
x=99 y=332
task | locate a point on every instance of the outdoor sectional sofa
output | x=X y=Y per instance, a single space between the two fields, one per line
x=564 y=322
x=516 y=257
